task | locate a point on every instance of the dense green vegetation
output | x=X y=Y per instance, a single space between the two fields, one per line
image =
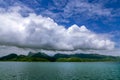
x=59 y=57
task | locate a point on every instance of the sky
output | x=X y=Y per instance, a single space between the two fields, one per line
x=66 y=26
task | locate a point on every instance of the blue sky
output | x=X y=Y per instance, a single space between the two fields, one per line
x=99 y=16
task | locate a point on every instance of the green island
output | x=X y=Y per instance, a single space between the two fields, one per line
x=42 y=57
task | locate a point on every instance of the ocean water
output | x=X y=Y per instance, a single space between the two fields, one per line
x=59 y=71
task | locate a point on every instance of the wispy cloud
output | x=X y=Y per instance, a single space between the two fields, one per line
x=89 y=9
x=79 y=9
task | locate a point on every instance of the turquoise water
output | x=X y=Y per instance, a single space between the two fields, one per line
x=59 y=71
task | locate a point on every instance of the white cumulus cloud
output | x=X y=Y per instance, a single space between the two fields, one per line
x=36 y=31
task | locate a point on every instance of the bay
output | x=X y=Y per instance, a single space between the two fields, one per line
x=59 y=71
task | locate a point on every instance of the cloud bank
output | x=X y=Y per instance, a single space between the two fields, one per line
x=36 y=31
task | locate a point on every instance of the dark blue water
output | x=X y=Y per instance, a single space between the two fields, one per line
x=59 y=71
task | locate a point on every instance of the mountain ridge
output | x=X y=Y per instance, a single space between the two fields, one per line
x=42 y=57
